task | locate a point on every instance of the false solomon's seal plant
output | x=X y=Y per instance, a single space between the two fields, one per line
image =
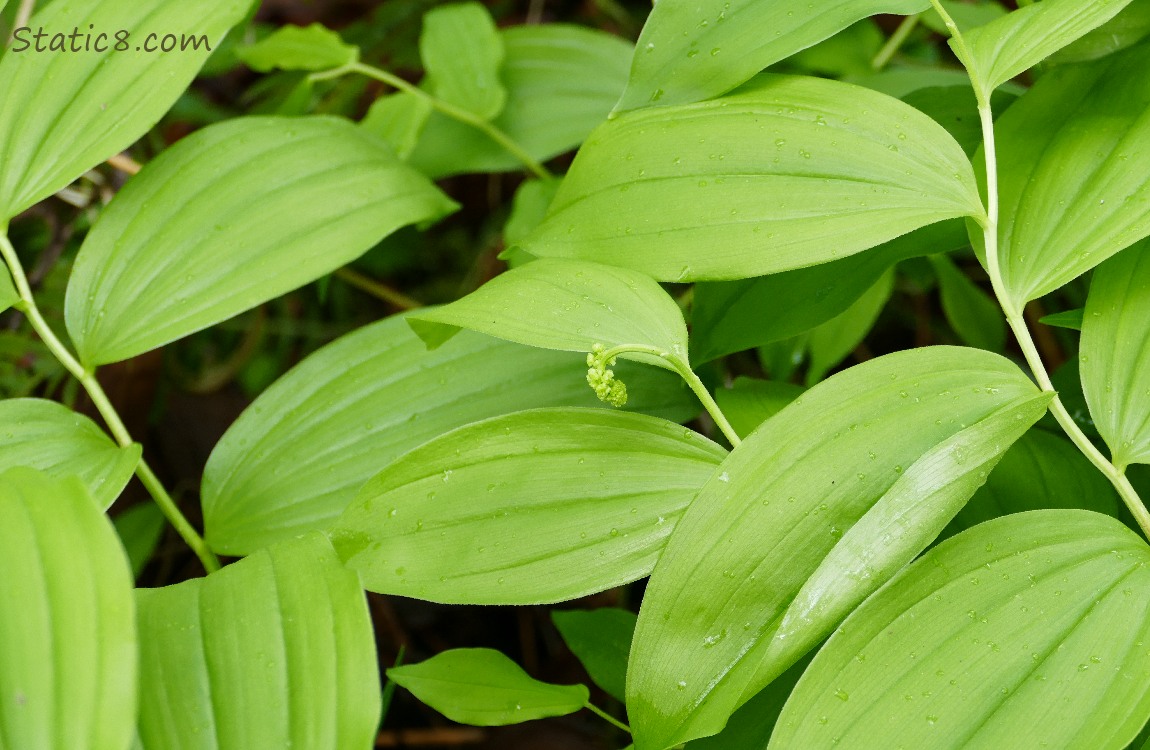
x=797 y=595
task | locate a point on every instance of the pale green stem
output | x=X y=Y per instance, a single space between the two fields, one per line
x=87 y=379
x=455 y=113
x=680 y=366
x=897 y=39
x=1014 y=317
x=23 y=14
x=606 y=717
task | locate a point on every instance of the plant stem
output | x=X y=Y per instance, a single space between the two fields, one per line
x=87 y=379
x=606 y=717
x=455 y=113
x=896 y=41
x=1010 y=307
x=23 y=13
x=376 y=289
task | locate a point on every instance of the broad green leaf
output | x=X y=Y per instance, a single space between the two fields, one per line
x=834 y=340
x=533 y=507
x=1042 y=470
x=274 y=651
x=312 y=47
x=1069 y=319
x=1074 y=181
x=808 y=516
x=296 y=458
x=751 y=726
x=568 y=305
x=689 y=52
x=462 y=53
x=51 y=438
x=967 y=15
x=731 y=316
x=528 y=209
x=561 y=82
x=92 y=105
x=140 y=528
x=1025 y=631
x=244 y=211
x=601 y=639
x=1126 y=29
x=971 y=312
x=786 y=173
x=482 y=687
x=1115 y=357
x=1008 y=46
x=67 y=628
x=8 y=294
x=398 y=119
x=747 y=403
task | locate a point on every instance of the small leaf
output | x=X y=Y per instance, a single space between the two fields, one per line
x=834 y=340
x=600 y=639
x=296 y=199
x=1025 y=631
x=689 y=52
x=1069 y=319
x=67 y=629
x=1115 y=360
x=51 y=438
x=747 y=403
x=787 y=172
x=398 y=119
x=533 y=507
x=484 y=688
x=1004 y=48
x=312 y=47
x=93 y=105
x=971 y=312
x=140 y=528
x=8 y=294
x=296 y=458
x=462 y=53
x=271 y=652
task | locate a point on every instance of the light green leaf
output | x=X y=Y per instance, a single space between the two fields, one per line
x=462 y=53
x=8 y=294
x=568 y=305
x=1042 y=470
x=273 y=651
x=834 y=340
x=296 y=458
x=1074 y=180
x=1069 y=319
x=967 y=15
x=1115 y=356
x=747 y=403
x=1002 y=49
x=92 y=105
x=51 y=438
x=534 y=507
x=312 y=47
x=561 y=82
x=398 y=119
x=1126 y=29
x=244 y=211
x=484 y=688
x=971 y=312
x=528 y=209
x=600 y=639
x=140 y=528
x=786 y=173
x=1025 y=631
x=808 y=516
x=689 y=52
x=67 y=628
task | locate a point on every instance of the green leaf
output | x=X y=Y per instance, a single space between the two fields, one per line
x=312 y=47
x=971 y=312
x=1042 y=470
x=528 y=209
x=1074 y=181
x=51 y=438
x=747 y=403
x=140 y=528
x=568 y=305
x=1069 y=319
x=67 y=629
x=956 y=109
x=834 y=340
x=462 y=53
x=966 y=15
x=398 y=119
x=808 y=516
x=93 y=105
x=849 y=52
x=245 y=211
x=296 y=458
x=1115 y=358
x=786 y=173
x=561 y=82
x=1007 y=47
x=751 y=726
x=1126 y=29
x=534 y=507
x=484 y=688
x=273 y=651
x=8 y=294
x=689 y=52
x=600 y=639
x=1025 y=631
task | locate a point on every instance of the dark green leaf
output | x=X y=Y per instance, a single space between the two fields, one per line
x=298 y=48
x=751 y=726
x=601 y=639
x=140 y=528
x=748 y=403
x=1070 y=319
x=971 y=312
x=8 y=294
x=833 y=341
